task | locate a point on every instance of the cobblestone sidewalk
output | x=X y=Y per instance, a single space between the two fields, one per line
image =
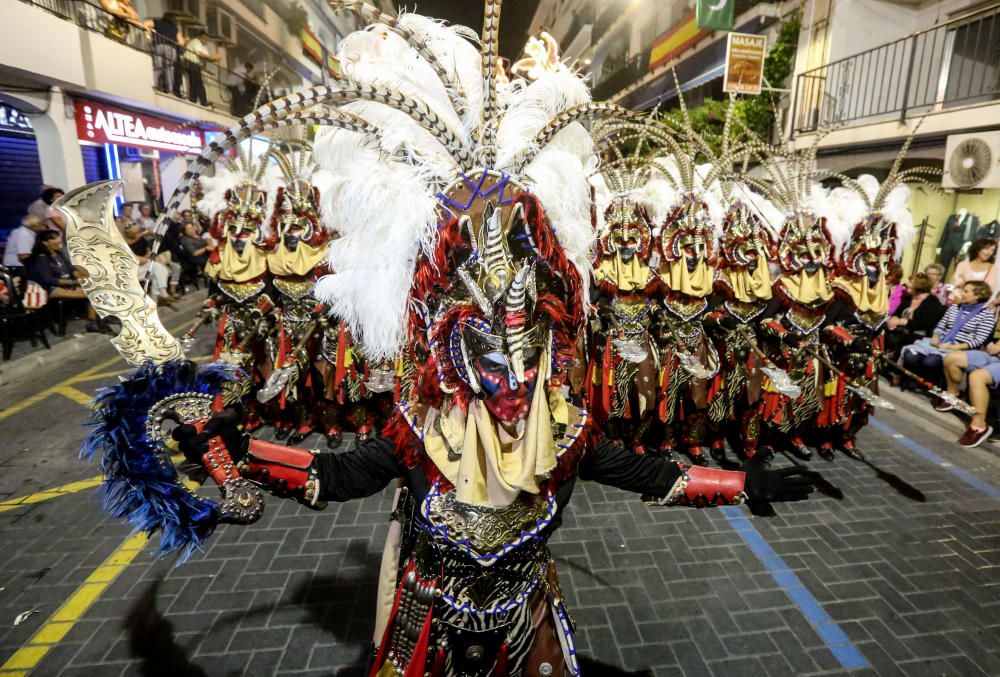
x=906 y=564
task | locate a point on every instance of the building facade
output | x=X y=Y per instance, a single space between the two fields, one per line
x=868 y=71
x=631 y=48
x=90 y=95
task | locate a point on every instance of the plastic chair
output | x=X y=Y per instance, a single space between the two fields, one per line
x=16 y=322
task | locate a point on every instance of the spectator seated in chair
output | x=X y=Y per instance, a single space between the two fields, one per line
x=935 y=273
x=983 y=370
x=159 y=274
x=195 y=246
x=980 y=267
x=21 y=314
x=20 y=319
x=20 y=242
x=914 y=317
x=49 y=266
x=40 y=206
x=966 y=325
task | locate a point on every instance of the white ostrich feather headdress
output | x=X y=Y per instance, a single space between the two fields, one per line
x=864 y=203
x=418 y=108
x=231 y=173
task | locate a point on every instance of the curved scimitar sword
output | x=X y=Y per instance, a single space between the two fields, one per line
x=113 y=287
x=112 y=282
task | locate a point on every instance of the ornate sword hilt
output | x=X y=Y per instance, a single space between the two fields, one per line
x=242 y=500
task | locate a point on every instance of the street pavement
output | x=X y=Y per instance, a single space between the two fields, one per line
x=894 y=570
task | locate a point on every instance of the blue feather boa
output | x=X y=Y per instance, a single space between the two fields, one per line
x=138 y=486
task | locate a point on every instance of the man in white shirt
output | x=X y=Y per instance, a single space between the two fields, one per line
x=20 y=242
x=145 y=220
x=196 y=56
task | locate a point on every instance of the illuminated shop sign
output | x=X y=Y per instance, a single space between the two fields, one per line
x=101 y=123
x=13 y=120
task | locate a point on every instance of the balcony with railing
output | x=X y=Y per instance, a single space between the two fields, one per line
x=632 y=70
x=174 y=72
x=610 y=13
x=951 y=65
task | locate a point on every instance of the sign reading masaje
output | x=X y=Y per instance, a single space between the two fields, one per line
x=744 y=63
x=102 y=123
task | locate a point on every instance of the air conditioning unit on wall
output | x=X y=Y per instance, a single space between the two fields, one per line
x=972 y=161
x=189 y=10
x=221 y=24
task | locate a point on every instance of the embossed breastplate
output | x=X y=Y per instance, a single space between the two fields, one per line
x=631 y=316
x=486 y=534
x=685 y=307
x=871 y=320
x=744 y=312
x=294 y=287
x=804 y=320
x=241 y=291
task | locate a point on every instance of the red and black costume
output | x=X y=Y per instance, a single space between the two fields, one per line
x=623 y=364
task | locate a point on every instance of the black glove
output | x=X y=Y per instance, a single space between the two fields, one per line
x=728 y=322
x=194 y=444
x=859 y=345
x=792 y=339
x=763 y=485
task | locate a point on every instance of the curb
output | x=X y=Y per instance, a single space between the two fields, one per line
x=917 y=410
x=17 y=370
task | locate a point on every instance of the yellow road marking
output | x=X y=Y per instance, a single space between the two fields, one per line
x=77 y=396
x=38 y=397
x=61 y=622
x=85 y=375
x=55 y=492
x=118 y=372
x=73 y=609
x=98 y=376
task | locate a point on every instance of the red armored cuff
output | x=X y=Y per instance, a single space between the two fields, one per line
x=701 y=487
x=263 y=304
x=283 y=470
x=218 y=462
x=773 y=327
x=839 y=333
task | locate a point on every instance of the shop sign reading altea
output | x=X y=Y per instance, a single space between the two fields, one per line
x=101 y=123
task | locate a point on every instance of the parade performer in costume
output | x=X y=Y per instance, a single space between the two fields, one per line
x=295 y=262
x=741 y=290
x=742 y=296
x=675 y=193
x=623 y=361
x=882 y=227
x=481 y=277
x=240 y=297
x=802 y=295
x=688 y=359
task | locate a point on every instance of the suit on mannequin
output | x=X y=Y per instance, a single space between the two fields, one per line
x=958 y=230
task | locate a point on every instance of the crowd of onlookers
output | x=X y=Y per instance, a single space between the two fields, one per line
x=945 y=332
x=36 y=260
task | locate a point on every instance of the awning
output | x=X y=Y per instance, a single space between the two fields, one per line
x=707 y=76
x=669 y=92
